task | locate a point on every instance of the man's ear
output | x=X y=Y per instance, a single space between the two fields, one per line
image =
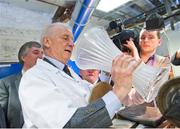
x=23 y=58
x=46 y=42
x=160 y=41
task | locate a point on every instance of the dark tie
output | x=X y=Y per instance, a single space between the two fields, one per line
x=66 y=70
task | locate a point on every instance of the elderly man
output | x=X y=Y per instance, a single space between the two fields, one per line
x=51 y=96
x=9 y=98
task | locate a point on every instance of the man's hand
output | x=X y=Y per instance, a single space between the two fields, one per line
x=134 y=52
x=122 y=69
x=178 y=54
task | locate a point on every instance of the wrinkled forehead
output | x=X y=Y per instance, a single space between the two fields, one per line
x=60 y=30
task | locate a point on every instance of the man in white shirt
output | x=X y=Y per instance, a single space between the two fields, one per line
x=52 y=98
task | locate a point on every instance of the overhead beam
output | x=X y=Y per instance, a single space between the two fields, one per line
x=63 y=14
x=64 y=3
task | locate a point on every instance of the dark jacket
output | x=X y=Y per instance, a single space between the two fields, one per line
x=2 y=118
x=174 y=60
x=9 y=100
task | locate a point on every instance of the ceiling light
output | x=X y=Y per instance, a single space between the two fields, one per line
x=108 y=5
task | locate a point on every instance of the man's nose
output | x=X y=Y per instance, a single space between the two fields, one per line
x=71 y=43
x=146 y=39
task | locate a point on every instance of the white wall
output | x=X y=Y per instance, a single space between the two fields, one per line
x=17 y=26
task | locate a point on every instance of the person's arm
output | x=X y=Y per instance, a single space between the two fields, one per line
x=175 y=59
x=51 y=105
x=3 y=95
x=178 y=54
x=2 y=118
x=133 y=98
x=100 y=113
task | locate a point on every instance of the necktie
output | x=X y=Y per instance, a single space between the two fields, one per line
x=66 y=70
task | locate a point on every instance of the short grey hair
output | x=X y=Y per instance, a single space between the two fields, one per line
x=48 y=29
x=23 y=51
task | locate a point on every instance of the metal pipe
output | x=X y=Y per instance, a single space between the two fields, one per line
x=82 y=12
x=86 y=9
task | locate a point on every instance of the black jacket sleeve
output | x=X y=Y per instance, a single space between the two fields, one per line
x=174 y=60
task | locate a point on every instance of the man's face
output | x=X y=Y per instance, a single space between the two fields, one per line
x=60 y=44
x=149 y=41
x=91 y=75
x=31 y=57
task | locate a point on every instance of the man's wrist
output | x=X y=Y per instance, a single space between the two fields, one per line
x=120 y=92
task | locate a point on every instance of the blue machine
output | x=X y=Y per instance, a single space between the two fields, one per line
x=10 y=69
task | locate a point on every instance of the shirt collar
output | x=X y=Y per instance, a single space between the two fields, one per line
x=96 y=81
x=57 y=63
x=151 y=60
x=22 y=71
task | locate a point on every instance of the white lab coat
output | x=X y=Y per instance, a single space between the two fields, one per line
x=49 y=97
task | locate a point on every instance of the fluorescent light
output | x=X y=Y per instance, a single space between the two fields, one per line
x=108 y=5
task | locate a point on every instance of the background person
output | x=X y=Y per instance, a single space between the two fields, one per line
x=149 y=41
x=90 y=75
x=9 y=98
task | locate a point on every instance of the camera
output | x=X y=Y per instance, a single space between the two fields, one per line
x=125 y=35
x=154 y=22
